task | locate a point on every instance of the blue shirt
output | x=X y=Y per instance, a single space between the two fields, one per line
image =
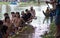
x=58 y=8
x=57 y=13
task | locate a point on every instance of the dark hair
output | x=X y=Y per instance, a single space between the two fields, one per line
x=26 y=10
x=12 y=12
x=18 y=14
x=31 y=6
x=7 y=17
x=1 y=22
x=6 y=14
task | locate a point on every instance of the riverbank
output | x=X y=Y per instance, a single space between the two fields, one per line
x=24 y=32
x=52 y=32
x=24 y=3
x=1 y=3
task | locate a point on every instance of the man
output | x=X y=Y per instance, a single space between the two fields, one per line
x=51 y=15
x=17 y=20
x=32 y=11
x=57 y=16
x=9 y=24
x=28 y=15
x=47 y=13
x=23 y=14
x=13 y=16
x=6 y=14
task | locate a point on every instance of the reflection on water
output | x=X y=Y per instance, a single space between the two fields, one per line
x=40 y=28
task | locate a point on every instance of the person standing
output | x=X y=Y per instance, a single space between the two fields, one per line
x=32 y=11
x=47 y=13
x=57 y=20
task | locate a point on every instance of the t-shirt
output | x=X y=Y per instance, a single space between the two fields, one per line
x=24 y=17
x=58 y=8
x=28 y=15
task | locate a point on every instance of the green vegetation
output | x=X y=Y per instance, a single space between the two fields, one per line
x=31 y=3
x=24 y=3
x=28 y=3
x=52 y=32
x=28 y=29
x=4 y=3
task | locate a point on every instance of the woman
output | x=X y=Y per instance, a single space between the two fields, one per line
x=13 y=16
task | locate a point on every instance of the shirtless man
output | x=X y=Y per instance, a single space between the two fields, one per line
x=5 y=15
x=12 y=16
x=47 y=14
x=9 y=24
x=17 y=19
x=32 y=11
x=18 y=22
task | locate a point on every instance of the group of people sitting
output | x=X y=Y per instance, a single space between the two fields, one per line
x=14 y=23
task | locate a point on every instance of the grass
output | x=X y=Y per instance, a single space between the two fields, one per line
x=28 y=3
x=26 y=30
x=29 y=30
x=24 y=3
x=31 y=3
x=1 y=3
x=52 y=32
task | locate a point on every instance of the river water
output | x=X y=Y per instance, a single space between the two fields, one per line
x=40 y=28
